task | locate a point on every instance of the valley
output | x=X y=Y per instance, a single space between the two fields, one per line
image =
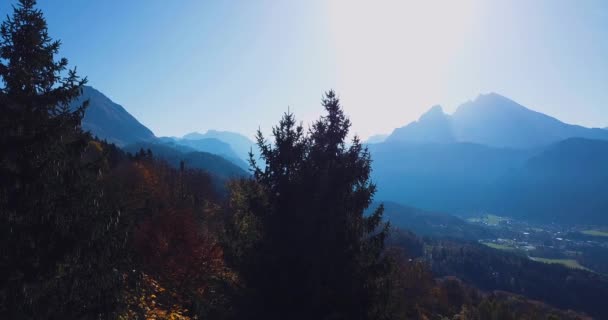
x=578 y=247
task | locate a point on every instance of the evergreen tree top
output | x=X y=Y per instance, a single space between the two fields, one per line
x=27 y=63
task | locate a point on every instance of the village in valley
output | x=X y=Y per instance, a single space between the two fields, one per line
x=579 y=247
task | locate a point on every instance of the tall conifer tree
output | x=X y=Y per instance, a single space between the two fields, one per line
x=54 y=248
x=315 y=255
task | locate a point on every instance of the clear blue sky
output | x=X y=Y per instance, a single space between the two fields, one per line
x=190 y=65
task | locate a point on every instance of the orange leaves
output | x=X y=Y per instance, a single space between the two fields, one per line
x=149 y=177
x=176 y=224
x=174 y=245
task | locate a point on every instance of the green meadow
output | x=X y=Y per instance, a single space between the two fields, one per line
x=570 y=263
x=595 y=233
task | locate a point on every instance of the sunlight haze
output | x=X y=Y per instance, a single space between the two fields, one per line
x=195 y=66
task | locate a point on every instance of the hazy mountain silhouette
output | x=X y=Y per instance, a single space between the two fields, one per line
x=563 y=182
x=434 y=126
x=238 y=142
x=110 y=121
x=377 y=138
x=448 y=177
x=210 y=145
x=567 y=181
x=427 y=164
x=492 y=120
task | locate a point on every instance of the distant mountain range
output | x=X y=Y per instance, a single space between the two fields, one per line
x=238 y=142
x=563 y=182
x=491 y=120
x=210 y=145
x=109 y=121
x=494 y=155
x=491 y=155
x=230 y=145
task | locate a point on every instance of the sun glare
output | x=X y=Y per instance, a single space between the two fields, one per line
x=395 y=51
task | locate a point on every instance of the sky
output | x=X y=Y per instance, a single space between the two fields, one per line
x=191 y=65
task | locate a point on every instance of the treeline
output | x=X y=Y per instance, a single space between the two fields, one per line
x=89 y=231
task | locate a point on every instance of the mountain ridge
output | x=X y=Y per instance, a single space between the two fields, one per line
x=110 y=121
x=239 y=143
x=210 y=145
x=493 y=120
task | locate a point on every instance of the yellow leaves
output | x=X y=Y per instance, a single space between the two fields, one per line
x=93 y=152
x=151 y=302
x=95 y=145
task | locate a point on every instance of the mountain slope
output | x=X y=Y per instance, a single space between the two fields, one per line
x=210 y=145
x=449 y=177
x=492 y=120
x=566 y=182
x=110 y=121
x=238 y=142
x=377 y=138
x=498 y=121
x=434 y=126
x=431 y=224
x=217 y=166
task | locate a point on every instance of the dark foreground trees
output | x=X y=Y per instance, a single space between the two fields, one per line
x=57 y=257
x=303 y=245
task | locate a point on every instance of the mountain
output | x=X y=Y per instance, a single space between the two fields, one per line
x=566 y=182
x=210 y=145
x=377 y=138
x=492 y=120
x=448 y=177
x=238 y=142
x=218 y=167
x=434 y=126
x=110 y=121
x=498 y=121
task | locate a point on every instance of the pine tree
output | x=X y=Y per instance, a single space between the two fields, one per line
x=315 y=255
x=54 y=237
